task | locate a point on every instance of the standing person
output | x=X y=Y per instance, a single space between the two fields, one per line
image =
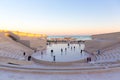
x=61 y=50
x=81 y=51
x=54 y=58
x=88 y=59
x=98 y=51
x=24 y=53
x=65 y=49
x=29 y=58
x=71 y=47
x=51 y=51
x=74 y=47
x=68 y=44
x=41 y=52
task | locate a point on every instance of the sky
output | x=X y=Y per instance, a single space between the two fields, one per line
x=60 y=17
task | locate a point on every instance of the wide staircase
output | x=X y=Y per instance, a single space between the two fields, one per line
x=12 y=51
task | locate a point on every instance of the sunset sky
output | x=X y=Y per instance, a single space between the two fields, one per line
x=58 y=17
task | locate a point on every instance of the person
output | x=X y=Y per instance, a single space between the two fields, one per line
x=65 y=49
x=41 y=53
x=61 y=50
x=88 y=59
x=74 y=47
x=68 y=44
x=98 y=51
x=71 y=47
x=54 y=58
x=81 y=51
x=51 y=51
x=47 y=43
x=24 y=53
x=29 y=58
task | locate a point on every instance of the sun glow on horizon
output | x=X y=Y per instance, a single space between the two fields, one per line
x=59 y=17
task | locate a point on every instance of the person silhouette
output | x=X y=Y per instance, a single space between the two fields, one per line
x=71 y=47
x=74 y=47
x=61 y=50
x=68 y=44
x=65 y=49
x=24 y=53
x=41 y=53
x=54 y=58
x=51 y=51
x=29 y=58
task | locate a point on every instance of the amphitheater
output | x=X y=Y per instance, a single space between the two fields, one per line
x=14 y=65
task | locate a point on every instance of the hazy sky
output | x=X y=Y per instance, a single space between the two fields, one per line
x=60 y=16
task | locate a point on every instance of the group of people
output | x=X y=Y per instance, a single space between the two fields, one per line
x=62 y=50
x=29 y=57
x=54 y=57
